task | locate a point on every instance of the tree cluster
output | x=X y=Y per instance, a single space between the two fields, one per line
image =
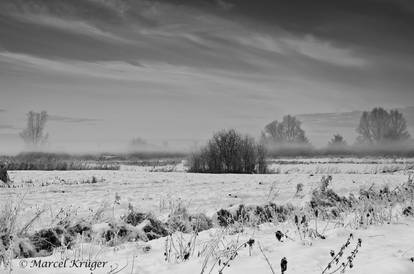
x=286 y=132
x=381 y=127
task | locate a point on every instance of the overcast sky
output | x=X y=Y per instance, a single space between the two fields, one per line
x=110 y=70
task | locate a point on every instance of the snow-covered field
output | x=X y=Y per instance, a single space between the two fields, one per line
x=149 y=191
x=385 y=248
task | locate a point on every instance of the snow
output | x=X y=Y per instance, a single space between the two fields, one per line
x=385 y=249
x=153 y=191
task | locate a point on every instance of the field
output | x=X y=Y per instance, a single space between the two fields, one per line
x=387 y=241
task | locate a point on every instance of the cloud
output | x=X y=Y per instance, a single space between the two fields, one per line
x=67 y=119
x=324 y=51
x=222 y=4
x=203 y=63
x=71 y=25
x=84 y=9
x=7 y=127
x=262 y=42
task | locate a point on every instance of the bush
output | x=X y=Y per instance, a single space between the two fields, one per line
x=229 y=152
x=48 y=239
x=254 y=215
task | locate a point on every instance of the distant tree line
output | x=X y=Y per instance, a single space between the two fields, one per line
x=376 y=127
x=229 y=151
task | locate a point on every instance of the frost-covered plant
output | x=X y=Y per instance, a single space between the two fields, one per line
x=231 y=253
x=12 y=243
x=299 y=189
x=335 y=264
x=379 y=206
x=179 y=247
x=266 y=258
x=305 y=230
x=8 y=229
x=325 y=181
x=218 y=252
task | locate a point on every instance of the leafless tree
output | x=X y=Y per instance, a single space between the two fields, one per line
x=337 y=141
x=230 y=152
x=397 y=126
x=379 y=126
x=33 y=135
x=288 y=131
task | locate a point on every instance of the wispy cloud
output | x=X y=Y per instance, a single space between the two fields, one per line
x=324 y=51
x=71 y=25
x=5 y=126
x=67 y=119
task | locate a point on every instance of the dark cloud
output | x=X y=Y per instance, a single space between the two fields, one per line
x=86 y=32
x=218 y=58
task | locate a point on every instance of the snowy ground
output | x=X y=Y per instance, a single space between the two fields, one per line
x=385 y=249
x=153 y=191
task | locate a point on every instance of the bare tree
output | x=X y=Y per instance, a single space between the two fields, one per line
x=33 y=135
x=397 y=126
x=379 y=126
x=337 y=141
x=288 y=131
x=230 y=152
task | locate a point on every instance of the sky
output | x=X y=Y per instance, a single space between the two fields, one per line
x=108 y=71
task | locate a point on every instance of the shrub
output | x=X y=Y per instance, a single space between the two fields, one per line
x=229 y=152
x=46 y=240
x=329 y=202
x=408 y=211
x=255 y=215
x=180 y=220
x=154 y=228
x=4 y=176
x=200 y=222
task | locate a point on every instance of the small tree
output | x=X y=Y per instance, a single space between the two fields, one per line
x=288 y=131
x=33 y=135
x=379 y=126
x=229 y=152
x=337 y=141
